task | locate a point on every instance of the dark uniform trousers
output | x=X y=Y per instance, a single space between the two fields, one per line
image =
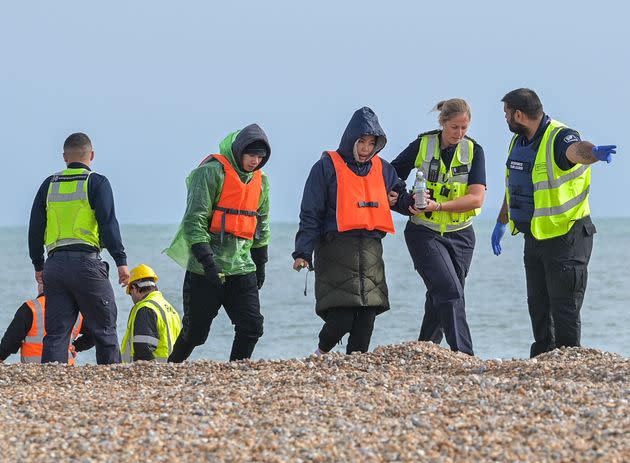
x=202 y=301
x=79 y=281
x=358 y=321
x=443 y=262
x=556 y=272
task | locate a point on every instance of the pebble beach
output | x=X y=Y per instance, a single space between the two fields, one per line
x=407 y=402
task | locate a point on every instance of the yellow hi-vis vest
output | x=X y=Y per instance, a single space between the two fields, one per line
x=451 y=183
x=168 y=322
x=69 y=217
x=560 y=196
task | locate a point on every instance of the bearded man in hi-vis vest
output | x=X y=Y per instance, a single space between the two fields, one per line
x=548 y=180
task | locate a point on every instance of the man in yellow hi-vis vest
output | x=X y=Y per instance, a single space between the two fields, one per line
x=73 y=218
x=548 y=180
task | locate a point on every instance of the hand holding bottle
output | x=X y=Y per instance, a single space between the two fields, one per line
x=429 y=203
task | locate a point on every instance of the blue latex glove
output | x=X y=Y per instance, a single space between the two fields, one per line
x=497 y=234
x=604 y=152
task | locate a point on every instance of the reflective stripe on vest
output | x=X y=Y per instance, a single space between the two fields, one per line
x=560 y=197
x=452 y=183
x=32 y=346
x=169 y=340
x=150 y=340
x=362 y=202
x=168 y=327
x=55 y=194
x=237 y=210
x=37 y=332
x=69 y=217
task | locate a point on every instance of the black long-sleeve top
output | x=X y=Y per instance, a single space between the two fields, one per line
x=16 y=331
x=101 y=199
x=145 y=325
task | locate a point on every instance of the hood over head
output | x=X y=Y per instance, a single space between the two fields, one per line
x=234 y=145
x=363 y=122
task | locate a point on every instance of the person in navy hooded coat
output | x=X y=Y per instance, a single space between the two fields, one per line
x=344 y=215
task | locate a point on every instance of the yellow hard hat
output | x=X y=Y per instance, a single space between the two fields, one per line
x=141 y=272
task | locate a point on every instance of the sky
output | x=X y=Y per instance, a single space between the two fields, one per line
x=158 y=84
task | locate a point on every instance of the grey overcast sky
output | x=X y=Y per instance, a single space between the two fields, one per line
x=158 y=84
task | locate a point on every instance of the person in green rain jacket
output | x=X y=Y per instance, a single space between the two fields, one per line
x=222 y=243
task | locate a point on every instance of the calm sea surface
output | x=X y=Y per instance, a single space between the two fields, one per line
x=495 y=293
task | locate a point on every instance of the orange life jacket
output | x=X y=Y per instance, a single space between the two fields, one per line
x=236 y=213
x=362 y=202
x=33 y=344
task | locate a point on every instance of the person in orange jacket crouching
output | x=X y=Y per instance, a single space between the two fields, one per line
x=26 y=333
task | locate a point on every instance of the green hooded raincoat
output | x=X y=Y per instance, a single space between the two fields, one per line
x=232 y=256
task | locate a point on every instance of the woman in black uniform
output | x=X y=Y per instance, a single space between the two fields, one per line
x=440 y=238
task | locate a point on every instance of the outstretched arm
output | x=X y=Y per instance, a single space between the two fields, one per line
x=584 y=152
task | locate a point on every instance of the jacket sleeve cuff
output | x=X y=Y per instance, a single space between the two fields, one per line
x=202 y=252
x=404 y=202
x=301 y=255
x=259 y=255
x=143 y=351
x=83 y=342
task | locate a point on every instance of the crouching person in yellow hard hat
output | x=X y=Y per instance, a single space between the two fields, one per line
x=153 y=324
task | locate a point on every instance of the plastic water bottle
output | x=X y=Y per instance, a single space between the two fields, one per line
x=419 y=188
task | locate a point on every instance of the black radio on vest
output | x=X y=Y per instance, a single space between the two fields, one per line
x=434 y=170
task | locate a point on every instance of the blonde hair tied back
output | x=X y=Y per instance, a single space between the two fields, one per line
x=450 y=108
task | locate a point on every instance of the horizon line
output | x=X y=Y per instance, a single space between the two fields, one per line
x=296 y=222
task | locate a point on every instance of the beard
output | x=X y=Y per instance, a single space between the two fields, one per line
x=517 y=128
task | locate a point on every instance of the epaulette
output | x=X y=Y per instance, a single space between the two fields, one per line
x=430 y=132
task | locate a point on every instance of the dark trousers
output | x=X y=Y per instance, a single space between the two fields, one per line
x=556 y=270
x=74 y=282
x=202 y=301
x=443 y=262
x=358 y=321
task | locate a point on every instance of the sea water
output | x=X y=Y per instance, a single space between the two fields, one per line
x=496 y=302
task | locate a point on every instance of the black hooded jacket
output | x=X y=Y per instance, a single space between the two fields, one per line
x=318 y=212
x=249 y=135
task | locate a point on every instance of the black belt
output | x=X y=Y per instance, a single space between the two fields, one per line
x=92 y=254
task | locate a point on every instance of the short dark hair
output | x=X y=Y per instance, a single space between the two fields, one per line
x=77 y=140
x=526 y=101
